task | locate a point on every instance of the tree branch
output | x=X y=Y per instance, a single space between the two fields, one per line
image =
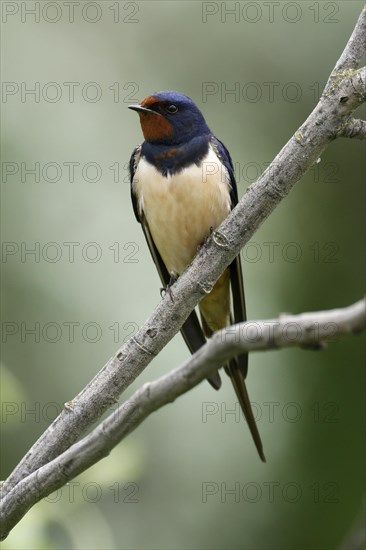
x=352 y=53
x=355 y=128
x=323 y=125
x=306 y=329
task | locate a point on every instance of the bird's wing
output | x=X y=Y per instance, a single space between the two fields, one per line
x=236 y=274
x=237 y=368
x=191 y=329
x=134 y=160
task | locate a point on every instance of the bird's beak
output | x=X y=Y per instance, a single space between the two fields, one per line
x=141 y=109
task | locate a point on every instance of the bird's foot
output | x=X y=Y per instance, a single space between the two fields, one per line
x=168 y=289
x=204 y=242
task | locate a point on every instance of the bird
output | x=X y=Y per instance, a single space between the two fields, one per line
x=179 y=199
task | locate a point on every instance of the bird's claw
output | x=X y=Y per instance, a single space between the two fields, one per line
x=204 y=242
x=168 y=288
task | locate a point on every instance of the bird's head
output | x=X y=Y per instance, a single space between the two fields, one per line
x=170 y=118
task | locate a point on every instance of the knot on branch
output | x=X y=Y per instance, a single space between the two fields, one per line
x=349 y=85
x=152 y=332
x=299 y=137
x=206 y=287
x=353 y=128
x=121 y=356
x=336 y=79
x=221 y=240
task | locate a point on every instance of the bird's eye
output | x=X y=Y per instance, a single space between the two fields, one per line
x=172 y=109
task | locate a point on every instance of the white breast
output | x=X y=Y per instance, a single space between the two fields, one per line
x=181 y=209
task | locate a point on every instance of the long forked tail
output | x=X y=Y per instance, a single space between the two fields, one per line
x=240 y=388
x=215 y=314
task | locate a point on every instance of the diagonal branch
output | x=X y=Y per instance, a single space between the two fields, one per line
x=296 y=157
x=307 y=329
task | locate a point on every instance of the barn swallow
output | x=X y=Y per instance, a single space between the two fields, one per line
x=179 y=199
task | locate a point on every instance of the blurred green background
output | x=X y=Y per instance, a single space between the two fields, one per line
x=168 y=485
